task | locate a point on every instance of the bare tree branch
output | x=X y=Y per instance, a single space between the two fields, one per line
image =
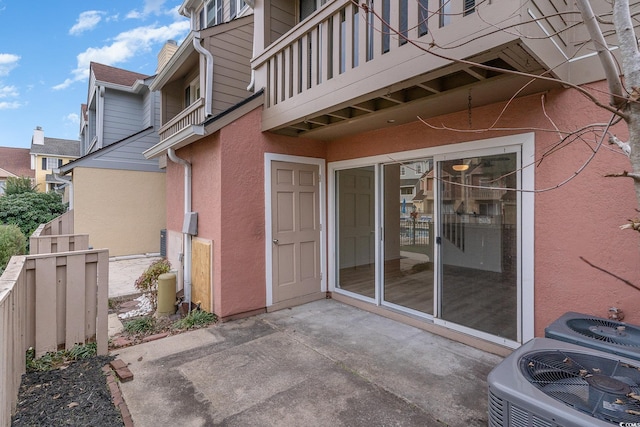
x=625 y=281
x=624 y=146
x=625 y=174
x=580 y=89
x=606 y=58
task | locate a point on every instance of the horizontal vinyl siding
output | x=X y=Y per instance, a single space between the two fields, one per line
x=147 y=111
x=283 y=18
x=127 y=155
x=232 y=53
x=122 y=116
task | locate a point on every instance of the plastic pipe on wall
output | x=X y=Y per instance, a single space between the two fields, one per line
x=186 y=236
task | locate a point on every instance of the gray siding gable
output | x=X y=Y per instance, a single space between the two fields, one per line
x=123 y=115
x=122 y=155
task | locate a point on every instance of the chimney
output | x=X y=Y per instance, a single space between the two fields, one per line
x=167 y=51
x=38 y=136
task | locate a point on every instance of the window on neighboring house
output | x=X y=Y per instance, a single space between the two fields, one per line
x=192 y=92
x=49 y=163
x=418 y=167
x=403 y=171
x=214 y=12
x=236 y=7
x=406 y=190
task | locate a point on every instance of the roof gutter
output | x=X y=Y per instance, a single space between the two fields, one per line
x=67 y=181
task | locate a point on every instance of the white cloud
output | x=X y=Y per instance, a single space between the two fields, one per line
x=8 y=62
x=10 y=105
x=86 y=21
x=72 y=118
x=125 y=46
x=8 y=92
x=151 y=7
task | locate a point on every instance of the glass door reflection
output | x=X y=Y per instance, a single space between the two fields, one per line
x=356 y=230
x=478 y=251
x=408 y=235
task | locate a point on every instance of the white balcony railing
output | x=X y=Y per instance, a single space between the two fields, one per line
x=192 y=115
x=342 y=56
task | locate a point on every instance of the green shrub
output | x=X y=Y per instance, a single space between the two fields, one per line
x=55 y=359
x=195 y=319
x=12 y=242
x=140 y=325
x=20 y=185
x=29 y=210
x=83 y=351
x=147 y=283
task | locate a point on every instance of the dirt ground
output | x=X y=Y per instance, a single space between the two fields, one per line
x=75 y=395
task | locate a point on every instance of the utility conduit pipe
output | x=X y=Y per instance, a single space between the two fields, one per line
x=186 y=236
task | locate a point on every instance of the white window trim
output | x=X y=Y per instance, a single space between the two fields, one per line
x=210 y=22
x=50 y=163
x=526 y=262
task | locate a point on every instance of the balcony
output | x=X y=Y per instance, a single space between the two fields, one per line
x=186 y=125
x=339 y=72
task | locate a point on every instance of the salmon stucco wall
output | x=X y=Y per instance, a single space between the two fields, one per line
x=228 y=194
x=575 y=223
x=120 y=210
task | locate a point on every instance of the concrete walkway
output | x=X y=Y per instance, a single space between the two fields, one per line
x=320 y=364
x=123 y=272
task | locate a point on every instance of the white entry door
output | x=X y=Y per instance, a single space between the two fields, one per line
x=295 y=231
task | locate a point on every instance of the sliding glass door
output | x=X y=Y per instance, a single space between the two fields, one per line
x=478 y=218
x=355 y=190
x=408 y=235
x=437 y=237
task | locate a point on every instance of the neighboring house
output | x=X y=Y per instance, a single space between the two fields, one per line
x=117 y=195
x=292 y=193
x=16 y=163
x=48 y=154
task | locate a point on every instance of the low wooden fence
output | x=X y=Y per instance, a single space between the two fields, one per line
x=47 y=244
x=59 y=225
x=50 y=301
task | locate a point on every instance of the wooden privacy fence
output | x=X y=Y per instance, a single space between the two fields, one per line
x=49 y=301
x=62 y=224
x=60 y=243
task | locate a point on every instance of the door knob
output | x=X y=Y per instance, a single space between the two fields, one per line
x=275 y=241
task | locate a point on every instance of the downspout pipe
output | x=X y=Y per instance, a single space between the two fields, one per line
x=68 y=182
x=208 y=89
x=186 y=236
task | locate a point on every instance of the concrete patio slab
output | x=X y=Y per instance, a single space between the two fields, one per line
x=322 y=363
x=123 y=272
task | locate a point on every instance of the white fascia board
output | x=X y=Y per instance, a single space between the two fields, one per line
x=180 y=139
x=181 y=55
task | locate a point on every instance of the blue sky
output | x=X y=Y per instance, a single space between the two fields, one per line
x=46 y=48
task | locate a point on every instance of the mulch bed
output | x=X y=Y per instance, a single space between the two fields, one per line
x=74 y=395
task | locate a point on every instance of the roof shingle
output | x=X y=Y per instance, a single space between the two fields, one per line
x=106 y=73
x=57 y=147
x=16 y=160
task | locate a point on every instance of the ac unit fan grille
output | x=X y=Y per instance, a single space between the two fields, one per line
x=607 y=331
x=604 y=388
